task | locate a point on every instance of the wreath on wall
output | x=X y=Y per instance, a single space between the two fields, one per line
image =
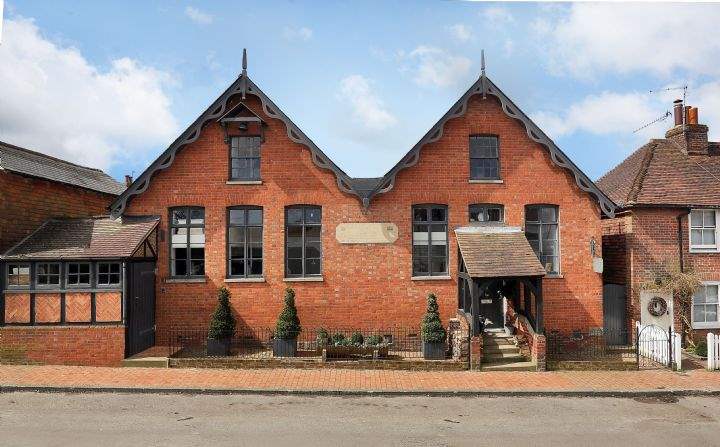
x=657 y=306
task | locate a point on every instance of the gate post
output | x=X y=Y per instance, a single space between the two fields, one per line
x=670 y=348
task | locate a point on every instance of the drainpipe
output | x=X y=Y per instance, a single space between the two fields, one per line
x=124 y=293
x=680 y=239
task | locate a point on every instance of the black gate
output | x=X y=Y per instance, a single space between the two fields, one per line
x=140 y=331
x=614 y=305
x=654 y=347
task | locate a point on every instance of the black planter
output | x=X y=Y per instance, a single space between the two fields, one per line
x=284 y=348
x=219 y=347
x=433 y=350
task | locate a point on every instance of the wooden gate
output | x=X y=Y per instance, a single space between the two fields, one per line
x=615 y=317
x=140 y=331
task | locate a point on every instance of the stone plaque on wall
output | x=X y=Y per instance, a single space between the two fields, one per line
x=366 y=233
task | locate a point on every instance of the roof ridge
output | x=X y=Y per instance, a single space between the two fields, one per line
x=639 y=179
x=40 y=154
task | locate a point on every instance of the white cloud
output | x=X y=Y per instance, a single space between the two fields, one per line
x=293 y=34
x=497 y=15
x=197 y=16
x=55 y=101
x=460 y=32
x=612 y=113
x=367 y=108
x=629 y=37
x=436 y=67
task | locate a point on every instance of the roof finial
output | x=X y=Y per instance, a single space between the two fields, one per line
x=482 y=62
x=244 y=62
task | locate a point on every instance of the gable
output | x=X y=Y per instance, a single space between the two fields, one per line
x=364 y=189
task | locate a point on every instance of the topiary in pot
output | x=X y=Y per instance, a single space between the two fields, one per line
x=356 y=339
x=222 y=326
x=432 y=331
x=287 y=328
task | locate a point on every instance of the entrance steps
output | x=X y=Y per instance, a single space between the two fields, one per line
x=501 y=354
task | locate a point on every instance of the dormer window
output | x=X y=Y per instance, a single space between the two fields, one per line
x=484 y=157
x=244 y=133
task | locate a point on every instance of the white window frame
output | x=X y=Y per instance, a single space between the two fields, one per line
x=704 y=248
x=705 y=324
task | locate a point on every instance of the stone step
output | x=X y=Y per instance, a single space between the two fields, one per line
x=515 y=366
x=497 y=342
x=500 y=348
x=146 y=362
x=504 y=357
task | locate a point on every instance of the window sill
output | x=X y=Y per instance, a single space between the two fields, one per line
x=184 y=280
x=431 y=278
x=243 y=182
x=713 y=325
x=305 y=279
x=706 y=250
x=233 y=280
x=490 y=181
x=553 y=276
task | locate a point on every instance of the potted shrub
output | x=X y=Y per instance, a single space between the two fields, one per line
x=433 y=332
x=287 y=328
x=222 y=326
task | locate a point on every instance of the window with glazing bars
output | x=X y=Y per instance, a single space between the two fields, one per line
x=303 y=247
x=108 y=273
x=245 y=247
x=78 y=274
x=481 y=212
x=429 y=239
x=541 y=230
x=18 y=275
x=187 y=241
x=484 y=158
x=245 y=158
x=47 y=274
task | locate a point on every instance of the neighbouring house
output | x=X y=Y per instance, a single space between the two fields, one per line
x=35 y=187
x=668 y=221
x=485 y=211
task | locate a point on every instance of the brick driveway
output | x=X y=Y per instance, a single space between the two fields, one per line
x=340 y=380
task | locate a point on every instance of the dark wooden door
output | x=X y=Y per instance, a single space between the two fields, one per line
x=491 y=307
x=614 y=314
x=141 y=307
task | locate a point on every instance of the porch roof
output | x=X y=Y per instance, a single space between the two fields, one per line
x=497 y=251
x=98 y=237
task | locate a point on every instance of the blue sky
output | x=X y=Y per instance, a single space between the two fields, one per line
x=111 y=84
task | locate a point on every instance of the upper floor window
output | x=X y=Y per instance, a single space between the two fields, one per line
x=706 y=306
x=18 y=275
x=704 y=231
x=245 y=242
x=108 y=273
x=429 y=238
x=245 y=158
x=303 y=247
x=187 y=241
x=541 y=230
x=484 y=158
x=78 y=274
x=482 y=212
x=47 y=274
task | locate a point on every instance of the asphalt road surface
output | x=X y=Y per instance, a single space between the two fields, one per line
x=33 y=419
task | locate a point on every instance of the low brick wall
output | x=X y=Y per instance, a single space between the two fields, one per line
x=235 y=363
x=537 y=343
x=63 y=345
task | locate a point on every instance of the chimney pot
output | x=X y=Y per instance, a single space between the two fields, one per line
x=693 y=115
x=677 y=112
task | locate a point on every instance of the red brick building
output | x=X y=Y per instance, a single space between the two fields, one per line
x=668 y=221
x=244 y=199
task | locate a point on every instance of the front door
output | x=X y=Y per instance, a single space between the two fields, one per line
x=491 y=308
x=140 y=332
x=614 y=314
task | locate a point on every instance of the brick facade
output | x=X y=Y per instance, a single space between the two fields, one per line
x=368 y=285
x=63 y=345
x=644 y=243
x=27 y=202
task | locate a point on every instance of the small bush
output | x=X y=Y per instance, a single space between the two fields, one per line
x=374 y=340
x=322 y=338
x=701 y=348
x=288 y=324
x=432 y=328
x=357 y=339
x=338 y=339
x=222 y=322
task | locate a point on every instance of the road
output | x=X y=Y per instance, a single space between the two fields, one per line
x=33 y=419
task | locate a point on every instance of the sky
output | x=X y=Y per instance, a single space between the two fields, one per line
x=112 y=84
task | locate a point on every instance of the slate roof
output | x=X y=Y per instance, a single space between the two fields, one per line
x=86 y=238
x=497 y=251
x=660 y=173
x=26 y=162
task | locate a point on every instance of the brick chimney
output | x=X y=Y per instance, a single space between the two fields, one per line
x=687 y=133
